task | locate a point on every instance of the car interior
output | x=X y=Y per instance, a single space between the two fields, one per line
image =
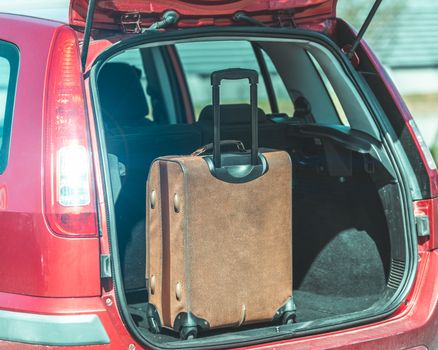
x=349 y=254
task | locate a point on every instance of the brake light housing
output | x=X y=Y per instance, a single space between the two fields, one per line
x=69 y=197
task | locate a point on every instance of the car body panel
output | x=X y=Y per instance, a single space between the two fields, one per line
x=34 y=261
x=414 y=324
x=108 y=13
x=44 y=274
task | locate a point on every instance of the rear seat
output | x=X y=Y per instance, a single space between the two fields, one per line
x=235 y=125
x=122 y=97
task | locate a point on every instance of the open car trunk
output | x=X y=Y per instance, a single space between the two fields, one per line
x=351 y=256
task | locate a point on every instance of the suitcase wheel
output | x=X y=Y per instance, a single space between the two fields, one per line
x=153 y=326
x=287 y=314
x=188 y=325
x=188 y=333
x=289 y=318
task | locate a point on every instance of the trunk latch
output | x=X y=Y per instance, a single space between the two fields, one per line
x=423 y=226
x=131 y=22
x=105 y=266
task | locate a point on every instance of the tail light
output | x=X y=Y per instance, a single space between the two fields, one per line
x=69 y=200
x=426 y=156
x=428 y=210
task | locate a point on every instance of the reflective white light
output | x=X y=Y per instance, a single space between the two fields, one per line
x=73 y=180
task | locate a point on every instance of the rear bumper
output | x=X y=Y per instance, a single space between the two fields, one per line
x=53 y=330
x=414 y=324
x=28 y=322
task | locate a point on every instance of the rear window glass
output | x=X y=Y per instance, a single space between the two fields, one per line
x=9 y=57
x=133 y=58
x=284 y=100
x=199 y=60
x=331 y=91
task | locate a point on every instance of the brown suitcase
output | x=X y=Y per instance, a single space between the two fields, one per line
x=219 y=234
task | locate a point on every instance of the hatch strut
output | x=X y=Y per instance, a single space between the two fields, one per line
x=364 y=28
x=87 y=32
x=242 y=16
x=169 y=17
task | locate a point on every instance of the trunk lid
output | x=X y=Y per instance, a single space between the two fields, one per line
x=121 y=15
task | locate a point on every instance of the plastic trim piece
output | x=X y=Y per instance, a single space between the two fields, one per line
x=105 y=266
x=235 y=173
x=66 y=330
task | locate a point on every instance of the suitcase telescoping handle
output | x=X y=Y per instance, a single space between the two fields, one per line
x=234 y=74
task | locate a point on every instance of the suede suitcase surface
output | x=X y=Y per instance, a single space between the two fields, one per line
x=219 y=235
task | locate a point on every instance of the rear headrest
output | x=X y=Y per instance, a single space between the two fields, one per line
x=232 y=114
x=122 y=97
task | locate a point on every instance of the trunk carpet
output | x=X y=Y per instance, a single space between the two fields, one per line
x=310 y=306
x=313 y=306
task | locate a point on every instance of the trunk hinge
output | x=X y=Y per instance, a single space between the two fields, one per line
x=423 y=225
x=131 y=22
x=105 y=266
x=285 y=19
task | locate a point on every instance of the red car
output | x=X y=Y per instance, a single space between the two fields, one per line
x=86 y=107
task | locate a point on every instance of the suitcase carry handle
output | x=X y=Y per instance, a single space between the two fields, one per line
x=204 y=149
x=234 y=74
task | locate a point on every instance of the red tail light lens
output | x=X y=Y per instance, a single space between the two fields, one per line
x=69 y=192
